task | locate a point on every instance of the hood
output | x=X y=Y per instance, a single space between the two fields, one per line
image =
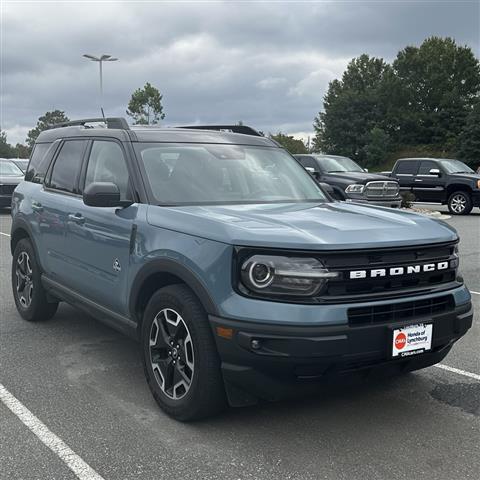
x=327 y=226
x=10 y=180
x=469 y=176
x=355 y=177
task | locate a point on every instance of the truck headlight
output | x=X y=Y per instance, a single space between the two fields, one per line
x=280 y=275
x=478 y=183
x=355 y=188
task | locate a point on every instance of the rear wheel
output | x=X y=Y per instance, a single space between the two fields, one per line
x=460 y=203
x=180 y=359
x=30 y=296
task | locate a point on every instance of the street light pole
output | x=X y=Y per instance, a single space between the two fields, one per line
x=100 y=60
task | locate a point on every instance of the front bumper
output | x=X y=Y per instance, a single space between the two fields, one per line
x=476 y=199
x=294 y=360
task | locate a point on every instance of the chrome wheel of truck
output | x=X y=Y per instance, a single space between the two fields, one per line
x=460 y=203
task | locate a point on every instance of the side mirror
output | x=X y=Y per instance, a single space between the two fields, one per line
x=365 y=170
x=434 y=171
x=310 y=170
x=103 y=194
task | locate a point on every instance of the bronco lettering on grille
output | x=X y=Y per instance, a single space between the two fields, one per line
x=395 y=271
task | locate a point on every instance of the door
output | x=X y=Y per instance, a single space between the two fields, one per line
x=99 y=237
x=405 y=174
x=51 y=204
x=429 y=187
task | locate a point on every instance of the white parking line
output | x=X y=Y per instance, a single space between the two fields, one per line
x=475 y=293
x=457 y=370
x=6 y=234
x=82 y=470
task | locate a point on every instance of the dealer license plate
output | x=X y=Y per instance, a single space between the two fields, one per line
x=412 y=340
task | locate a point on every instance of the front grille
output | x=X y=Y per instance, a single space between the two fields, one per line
x=381 y=189
x=7 y=189
x=367 y=260
x=396 y=312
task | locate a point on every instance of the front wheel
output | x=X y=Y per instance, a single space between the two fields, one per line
x=460 y=203
x=180 y=358
x=30 y=296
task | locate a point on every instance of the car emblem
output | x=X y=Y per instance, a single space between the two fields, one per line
x=116 y=265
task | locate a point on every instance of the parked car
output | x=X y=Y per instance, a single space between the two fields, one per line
x=10 y=177
x=225 y=259
x=349 y=181
x=21 y=163
x=440 y=180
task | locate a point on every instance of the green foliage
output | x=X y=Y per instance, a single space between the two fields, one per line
x=424 y=100
x=468 y=144
x=22 y=151
x=6 y=150
x=50 y=118
x=352 y=109
x=293 y=145
x=377 y=147
x=145 y=106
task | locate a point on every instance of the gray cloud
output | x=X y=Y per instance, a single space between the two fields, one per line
x=267 y=64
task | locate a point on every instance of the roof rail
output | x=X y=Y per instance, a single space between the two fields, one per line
x=111 y=122
x=243 y=129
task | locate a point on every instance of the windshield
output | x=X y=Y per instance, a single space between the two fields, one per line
x=338 y=164
x=9 y=169
x=192 y=174
x=455 y=166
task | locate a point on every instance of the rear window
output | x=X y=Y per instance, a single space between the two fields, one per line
x=38 y=163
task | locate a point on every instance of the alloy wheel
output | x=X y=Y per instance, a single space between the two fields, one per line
x=171 y=353
x=24 y=275
x=458 y=203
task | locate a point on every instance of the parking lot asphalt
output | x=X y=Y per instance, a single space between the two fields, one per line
x=85 y=383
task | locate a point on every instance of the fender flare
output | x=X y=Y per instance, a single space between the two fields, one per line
x=20 y=223
x=168 y=266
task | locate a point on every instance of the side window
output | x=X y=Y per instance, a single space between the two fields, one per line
x=67 y=166
x=107 y=164
x=407 y=167
x=38 y=165
x=309 y=162
x=425 y=167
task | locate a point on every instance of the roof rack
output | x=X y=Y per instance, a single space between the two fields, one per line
x=111 y=122
x=243 y=129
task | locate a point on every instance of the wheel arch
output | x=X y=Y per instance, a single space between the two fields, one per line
x=161 y=273
x=458 y=187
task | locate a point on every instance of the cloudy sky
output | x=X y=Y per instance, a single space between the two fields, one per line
x=265 y=63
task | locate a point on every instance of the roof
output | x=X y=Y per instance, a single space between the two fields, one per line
x=156 y=134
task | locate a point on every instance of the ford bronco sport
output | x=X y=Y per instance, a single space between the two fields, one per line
x=222 y=255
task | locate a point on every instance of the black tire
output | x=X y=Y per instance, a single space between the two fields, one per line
x=205 y=395
x=38 y=308
x=460 y=203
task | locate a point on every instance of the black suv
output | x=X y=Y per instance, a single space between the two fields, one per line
x=349 y=181
x=439 y=180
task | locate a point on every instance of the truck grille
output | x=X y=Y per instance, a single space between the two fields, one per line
x=400 y=311
x=347 y=289
x=381 y=189
x=7 y=189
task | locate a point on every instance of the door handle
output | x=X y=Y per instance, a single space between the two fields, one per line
x=418 y=180
x=76 y=218
x=37 y=207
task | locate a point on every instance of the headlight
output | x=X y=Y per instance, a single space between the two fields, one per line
x=355 y=188
x=277 y=275
x=478 y=183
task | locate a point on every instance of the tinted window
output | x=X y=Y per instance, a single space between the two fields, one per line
x=38 y=163
x=107 y=164
x=407 y=167
x=67 y=166
x=308 y=162
x=222 y=174
x=425 y=167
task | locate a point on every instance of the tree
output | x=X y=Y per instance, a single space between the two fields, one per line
x=22 y=151
x=6 y=150
x=468 y=143
x=293 y=145
x=352 y=108
x=438 y=83
x=377 y=147
x=145 y=106
x=50 y=118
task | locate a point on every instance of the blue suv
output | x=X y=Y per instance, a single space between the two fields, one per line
x=241 y=278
